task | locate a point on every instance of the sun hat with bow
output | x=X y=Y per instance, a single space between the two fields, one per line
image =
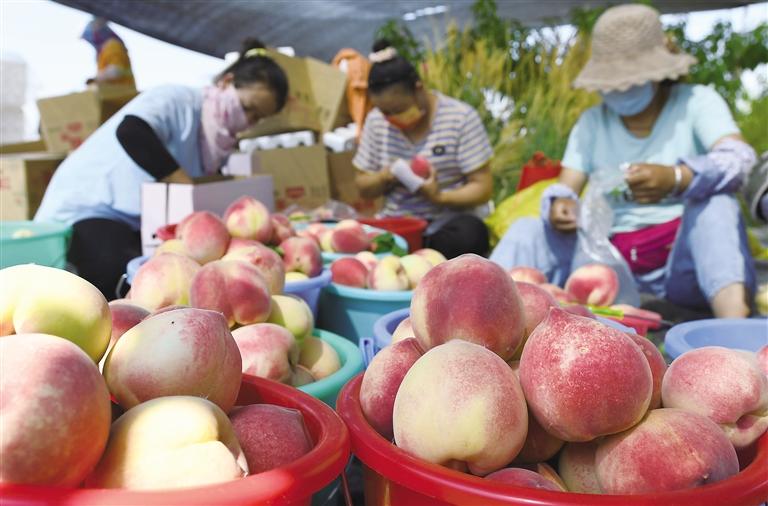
x=628 y=49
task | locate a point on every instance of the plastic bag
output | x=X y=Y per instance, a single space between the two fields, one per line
x=595 y=222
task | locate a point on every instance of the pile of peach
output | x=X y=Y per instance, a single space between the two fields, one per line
x=600 y=402
x=347 y=236
x=391 y=273
x=174 y=376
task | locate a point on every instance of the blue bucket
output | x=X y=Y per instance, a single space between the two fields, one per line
x=352 y=312
x=309 y=289
x=41 y=243
x=133 y=267
x=327 y=389
x=739 y=333
x=386 y=325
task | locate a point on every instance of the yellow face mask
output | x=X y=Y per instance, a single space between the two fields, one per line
x=407 y=119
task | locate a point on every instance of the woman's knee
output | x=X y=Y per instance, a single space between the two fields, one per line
x=461 y=234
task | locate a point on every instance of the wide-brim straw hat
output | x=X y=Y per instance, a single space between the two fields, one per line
x=628 y=49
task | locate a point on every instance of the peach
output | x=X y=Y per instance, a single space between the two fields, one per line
x=368 y=259
x=388 y=275
x=433 y=256
x=528 y=275
x=536 y=304
x=421 y=167
x=460 y=405
x=281 y=228
x=349 y=239
x=236 y=243
x=762 y=358
x=583 y=379
x=234 y=288
x=302 y=255
x=349 y=271
x=350 y=224
x=315 y=231
x=294 y=314
x=170 y=442
x=593 y=284
x=44 y=300
x=301 y=376
x=550 y=474
x=522 y=478
x=670 y=449
x=270 y=436
x=247 y=218
x=655 y=362
x=172 y=246
x=164 y=280
x=416 y=266
x=266 y=260
x=291 y=277
x=468 y=298
x=382 y=380
x=727 y=386
x=577 y=467
x=204 y=235
x=558 y=293
x=404 y=330
x=325 y=241
x=319 y=357
x=55 y=412
x=267 y=350
x=125 y=316
x=181 y=352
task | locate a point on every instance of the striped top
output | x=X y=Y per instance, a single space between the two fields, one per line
x=456 y=145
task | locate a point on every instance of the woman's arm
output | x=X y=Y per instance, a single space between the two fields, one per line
x=142 y=144
x=374 y=184
x=476 y=191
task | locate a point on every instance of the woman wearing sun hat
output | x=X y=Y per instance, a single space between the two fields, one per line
x=678 y=156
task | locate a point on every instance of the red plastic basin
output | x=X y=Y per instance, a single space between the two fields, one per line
x=410 y=229
x=393 y=477
x=293 y=484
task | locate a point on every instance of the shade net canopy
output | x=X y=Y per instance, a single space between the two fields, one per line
x=320 y=28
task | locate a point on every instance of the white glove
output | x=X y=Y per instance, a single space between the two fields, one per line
x=403 y=172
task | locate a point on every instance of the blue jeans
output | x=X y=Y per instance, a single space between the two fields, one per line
x=709 y=253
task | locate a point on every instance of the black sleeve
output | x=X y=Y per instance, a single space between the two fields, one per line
x=145 y=148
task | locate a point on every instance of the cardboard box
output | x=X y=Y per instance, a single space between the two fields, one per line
x=164 y=203
x=343 y=187
x=300 y=174
x=68 y=120
x=316 y=98
x=23 y=147
x=23 y=180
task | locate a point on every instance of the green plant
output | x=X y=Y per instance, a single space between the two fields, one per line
x=401 y=39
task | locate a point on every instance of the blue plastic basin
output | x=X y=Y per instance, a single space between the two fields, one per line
x=741 y=334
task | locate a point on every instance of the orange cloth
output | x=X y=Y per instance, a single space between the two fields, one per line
x=114 y=54
x=358 y=68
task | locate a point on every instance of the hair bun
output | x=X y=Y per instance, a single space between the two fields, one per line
x=380 y=44
x=251 y=43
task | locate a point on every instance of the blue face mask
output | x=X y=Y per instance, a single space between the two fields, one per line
x=630 y=102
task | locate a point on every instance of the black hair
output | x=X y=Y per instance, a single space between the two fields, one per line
x=258 y=68
x=397 y=70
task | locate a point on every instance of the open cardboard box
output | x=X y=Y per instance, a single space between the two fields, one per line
x=168 y=203
x=23 y=180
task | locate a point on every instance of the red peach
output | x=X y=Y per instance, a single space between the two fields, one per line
x=670 y=449
x=461 y=405
x=420 y=166
x=583 y=379
x=349 y=240
x=468 y=298
x=558 y=293
x=125 y=316
x=349 y=271
x=236 y=243
x=762 y=358
x=382 y=380
x=270 y=436
x=388 y=275
x=522 y=478
x=267 y=261
x=55 y=414
x=247 y=218
x=282 y=229
x=267 y=350
x=593 y=284
x=164 y=280
x=727 y=386
x=404 y=330
x=528 y=275
x=655 y=362
x=234 y=288
x=536 y=304
x=368 y=259
x=204 y=235
x=302 y=255
x=433 y=256
x=577 y=467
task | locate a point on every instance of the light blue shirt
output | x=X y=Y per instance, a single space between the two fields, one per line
x=100 y=180
x=693 y=119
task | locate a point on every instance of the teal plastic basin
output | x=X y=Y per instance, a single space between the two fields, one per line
x=47 y=243
x=352 y=312
x=327 y=389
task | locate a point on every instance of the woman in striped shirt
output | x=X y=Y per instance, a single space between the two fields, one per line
x=408 y=121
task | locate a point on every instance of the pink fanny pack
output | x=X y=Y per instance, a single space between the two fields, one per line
x=647 y=249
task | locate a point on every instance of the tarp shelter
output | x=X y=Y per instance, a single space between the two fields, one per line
x=320 y=28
